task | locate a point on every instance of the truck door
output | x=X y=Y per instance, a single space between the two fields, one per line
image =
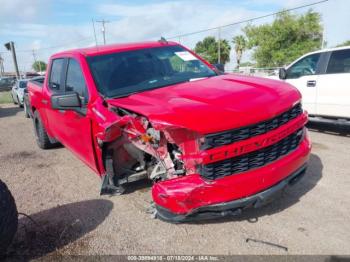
x=303 y=75
x=54 y=85
x=333 y=96
x=73 y=129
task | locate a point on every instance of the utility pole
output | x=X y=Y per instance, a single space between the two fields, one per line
x=103 y=22
x=219 y=49
x=323 y=38
x=39 y=62
x=1 y=66
x=93 y=26
x=11 y=47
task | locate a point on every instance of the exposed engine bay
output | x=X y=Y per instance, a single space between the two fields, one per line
x=145 y=151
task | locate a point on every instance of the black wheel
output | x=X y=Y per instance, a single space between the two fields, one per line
x=19 y=103
x=26 y=112
x=14 y=101
x=8 y=218
x=42 y=138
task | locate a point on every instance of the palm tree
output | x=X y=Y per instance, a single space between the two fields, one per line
x=208 y=49
x=240 y=45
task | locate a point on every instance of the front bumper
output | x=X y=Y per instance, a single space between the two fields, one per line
x=234 y=207
x=179 y=199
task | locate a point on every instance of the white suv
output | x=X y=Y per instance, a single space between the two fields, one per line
x=323 y=78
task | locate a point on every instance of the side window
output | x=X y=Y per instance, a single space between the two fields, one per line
x=75 y=81
x=339 y=62
x=305 y=66
x=55 y=75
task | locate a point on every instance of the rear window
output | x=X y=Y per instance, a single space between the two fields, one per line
x=23 y=84
x=339 y=62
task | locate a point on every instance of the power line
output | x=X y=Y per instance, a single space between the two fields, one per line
x=53 y=47
x=173 y=37
x=247 y=20
x=103 y=22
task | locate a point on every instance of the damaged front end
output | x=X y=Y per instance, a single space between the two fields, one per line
x=134 y=148
x=193 y=180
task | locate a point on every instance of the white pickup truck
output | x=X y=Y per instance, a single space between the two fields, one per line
x=323 y=78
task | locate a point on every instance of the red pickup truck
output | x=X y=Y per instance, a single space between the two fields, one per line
x=212 y=143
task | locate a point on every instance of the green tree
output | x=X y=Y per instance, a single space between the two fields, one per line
x=208 y=49
x=240 y=45
x=346 y=43
x=285 y=39
x=246 y=64
x=39 y=66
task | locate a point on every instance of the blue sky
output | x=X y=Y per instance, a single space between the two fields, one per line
x=51 y=26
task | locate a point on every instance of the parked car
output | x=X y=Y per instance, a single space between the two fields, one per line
x=212 y=143
x=17 y=92
x=323 y=79
x=26 y=103
x=6 y=83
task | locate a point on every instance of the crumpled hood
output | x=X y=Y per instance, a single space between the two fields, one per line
x=213 y=104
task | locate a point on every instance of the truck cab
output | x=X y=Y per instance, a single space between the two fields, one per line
x=323 y=79
x=211 y=143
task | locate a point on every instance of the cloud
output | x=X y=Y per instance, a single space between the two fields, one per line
x=44 y=39
x=138 y=22
x=22 y=11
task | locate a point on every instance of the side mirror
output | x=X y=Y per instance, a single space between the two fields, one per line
x=70 y=101
x=282 y=73
x=220 y=67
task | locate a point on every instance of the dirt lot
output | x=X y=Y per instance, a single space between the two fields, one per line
x=61 y=195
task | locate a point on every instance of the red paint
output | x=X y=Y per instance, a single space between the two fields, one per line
x=183 y=195
x=215 y=104
x=185 y=112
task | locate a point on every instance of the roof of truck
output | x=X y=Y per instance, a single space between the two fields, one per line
x=113 y=48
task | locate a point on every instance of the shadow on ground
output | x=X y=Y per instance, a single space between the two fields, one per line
x=289 y=197
x=332 y=129
x=9 y=111
x=52 y=229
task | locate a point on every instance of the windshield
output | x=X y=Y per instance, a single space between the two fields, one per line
x=22 y=84
x=124 y=73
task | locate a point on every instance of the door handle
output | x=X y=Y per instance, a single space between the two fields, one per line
x=311 y=83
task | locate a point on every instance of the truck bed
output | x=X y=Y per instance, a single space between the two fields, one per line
x=37 y=82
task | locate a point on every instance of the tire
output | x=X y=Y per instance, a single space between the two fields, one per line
x=14 y=101
x=26 y=112
x=8 y=218
x=42 y=138
x=19 y=103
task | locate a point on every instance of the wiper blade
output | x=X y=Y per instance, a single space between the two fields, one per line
x=198 y=78
x=125 y=95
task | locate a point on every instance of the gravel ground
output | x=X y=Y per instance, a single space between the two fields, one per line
x=61 y=195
